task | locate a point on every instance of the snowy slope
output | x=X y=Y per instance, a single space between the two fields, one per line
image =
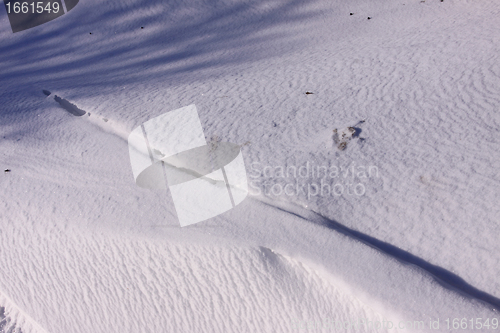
x=84 y=249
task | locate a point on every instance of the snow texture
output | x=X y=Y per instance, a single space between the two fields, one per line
x=406 y=230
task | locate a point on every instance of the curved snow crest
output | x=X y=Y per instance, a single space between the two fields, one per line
x=14 y=320
x=108 y=284
x=444 y=277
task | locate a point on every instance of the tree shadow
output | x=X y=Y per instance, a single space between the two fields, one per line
x=6 y=323
x=179 y=41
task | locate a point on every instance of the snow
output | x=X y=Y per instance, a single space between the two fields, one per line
x=412 y=236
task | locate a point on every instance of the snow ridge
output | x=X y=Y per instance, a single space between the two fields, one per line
x=444 y=277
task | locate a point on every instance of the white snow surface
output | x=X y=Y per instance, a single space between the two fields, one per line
x=83 y=249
